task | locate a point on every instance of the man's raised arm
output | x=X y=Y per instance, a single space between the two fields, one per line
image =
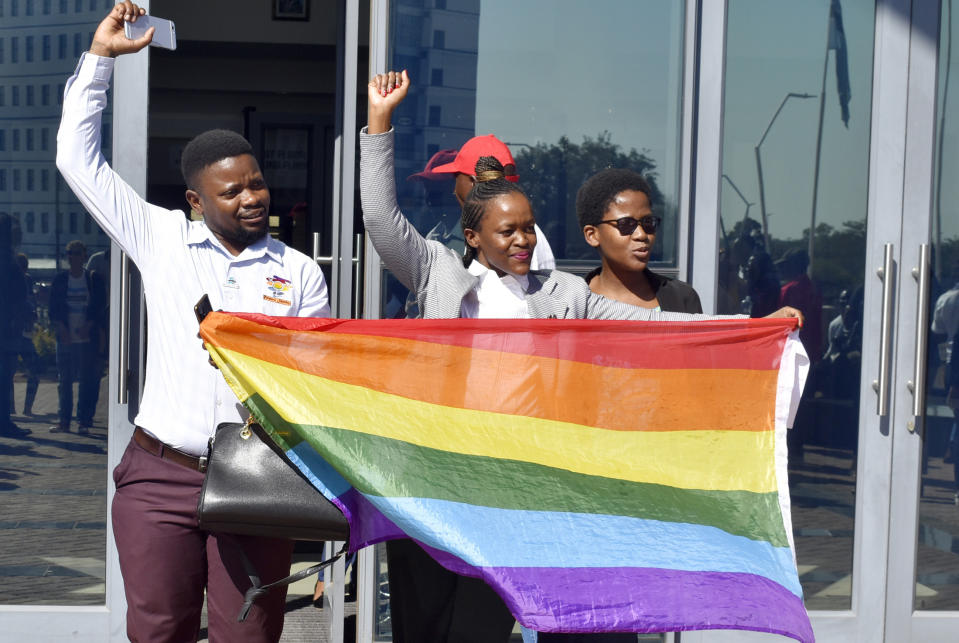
x=115 y=206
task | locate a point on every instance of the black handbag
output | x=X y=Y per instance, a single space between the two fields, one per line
x=251 y=488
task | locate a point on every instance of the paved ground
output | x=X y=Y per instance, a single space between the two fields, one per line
x=52 y=526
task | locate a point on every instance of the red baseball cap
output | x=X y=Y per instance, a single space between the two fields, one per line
x=477 y=147
x=429 y=172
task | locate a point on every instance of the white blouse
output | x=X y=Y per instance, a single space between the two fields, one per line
x=495 y=297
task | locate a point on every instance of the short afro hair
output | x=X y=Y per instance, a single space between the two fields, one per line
x=599 y=190
x=208 y=148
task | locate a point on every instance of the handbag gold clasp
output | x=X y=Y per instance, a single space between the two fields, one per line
x=246 y=431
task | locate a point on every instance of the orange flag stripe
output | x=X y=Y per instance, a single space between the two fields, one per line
x=525 y=385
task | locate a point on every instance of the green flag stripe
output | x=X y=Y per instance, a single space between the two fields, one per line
x=391 y=468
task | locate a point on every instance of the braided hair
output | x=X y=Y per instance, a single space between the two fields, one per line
x=490 y=184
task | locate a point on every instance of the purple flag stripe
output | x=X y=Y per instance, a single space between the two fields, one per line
x=630 y=599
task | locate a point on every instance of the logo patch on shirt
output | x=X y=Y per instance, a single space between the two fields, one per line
x=231 y=283
x=278 y=290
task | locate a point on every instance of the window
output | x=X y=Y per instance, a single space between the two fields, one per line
x=14 y=7
x=78 y=6
x=16 y=180
x=1 y=8
x=29 y=95
x=31 y=222
x=30 y=180
x=63 y=6
x=3 y=180
x=434 y=117
x=87 y=225
x=46 y=47
x=60 y=94
x=29 y=7
x=59 y=221
x=45 y=139
x=93 y=5
x=46 y=7
x=2 y=43
x=3 y=98
x=16 y=141
x=44 y=180
x=15 y=95
x=439 y=39
x=45 y=95
x=28 y=49
x=29 y=141
x=14 y=47
x=74 y=219
x=436 y=78
x=3 y=140
x=440 y=4
x=62 y=46
x=44 y=222
x=77 y=47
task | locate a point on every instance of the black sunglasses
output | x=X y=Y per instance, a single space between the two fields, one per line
x=628 y=225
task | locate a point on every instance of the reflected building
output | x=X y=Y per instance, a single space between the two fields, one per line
x=438 y=44
x=40 y=42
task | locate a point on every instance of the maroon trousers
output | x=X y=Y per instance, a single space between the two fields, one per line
x=167 y=561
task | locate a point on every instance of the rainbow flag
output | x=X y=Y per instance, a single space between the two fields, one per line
x=600 y=476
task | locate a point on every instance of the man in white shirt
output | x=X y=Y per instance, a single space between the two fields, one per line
x=165 y=559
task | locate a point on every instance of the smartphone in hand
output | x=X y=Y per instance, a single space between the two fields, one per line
x=202 y=308
x=164 y=36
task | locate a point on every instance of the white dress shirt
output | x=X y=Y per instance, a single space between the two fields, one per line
x=495 y=297
x=184 y=398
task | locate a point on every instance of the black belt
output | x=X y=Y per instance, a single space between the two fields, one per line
x=165 y=451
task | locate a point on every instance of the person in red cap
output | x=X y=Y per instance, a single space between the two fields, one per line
x=439 y=202
x=462 y=168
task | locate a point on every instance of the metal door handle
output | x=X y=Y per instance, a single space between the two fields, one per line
x=320 y=261
x=918 y=382
x=881 y=385
x=123 y=361
x=357 y=272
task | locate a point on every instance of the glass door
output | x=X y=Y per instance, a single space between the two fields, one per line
x=850 y=139
x=65 y=430
x=923 y=586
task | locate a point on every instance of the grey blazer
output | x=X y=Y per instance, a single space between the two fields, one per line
x=436 y=274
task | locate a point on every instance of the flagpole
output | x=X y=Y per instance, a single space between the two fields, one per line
x=815 y=177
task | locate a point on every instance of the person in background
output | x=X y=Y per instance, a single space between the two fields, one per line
x=78 y=314
x=168 y=564
x=13 y=301
x=800 y=292
x=25 y=348
x=614 y=208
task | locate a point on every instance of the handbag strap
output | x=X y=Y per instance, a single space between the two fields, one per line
x=257 y=590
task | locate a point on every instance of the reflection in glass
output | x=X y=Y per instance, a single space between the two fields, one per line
x=937 y=563
x=511 y=69
x=798 y=74
x=52 y=484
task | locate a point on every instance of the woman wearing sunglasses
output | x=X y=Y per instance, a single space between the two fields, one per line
x=614 y=208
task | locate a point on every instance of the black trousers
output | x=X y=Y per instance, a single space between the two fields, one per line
x=430 y=604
